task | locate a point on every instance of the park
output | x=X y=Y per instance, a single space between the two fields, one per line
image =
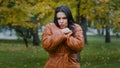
x=96 y=54
x=22 y=23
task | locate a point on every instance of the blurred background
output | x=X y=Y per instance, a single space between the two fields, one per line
x=22 y=23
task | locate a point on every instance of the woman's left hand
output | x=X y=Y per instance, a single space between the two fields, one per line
x=66 y=30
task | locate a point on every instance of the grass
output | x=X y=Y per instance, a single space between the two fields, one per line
x=16 y=55
x=96 y=54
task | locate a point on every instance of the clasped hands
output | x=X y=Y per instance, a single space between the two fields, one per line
x=66 y=31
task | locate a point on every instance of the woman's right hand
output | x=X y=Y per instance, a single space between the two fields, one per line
x=66 y=30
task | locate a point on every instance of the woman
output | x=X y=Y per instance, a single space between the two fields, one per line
x=62 y=39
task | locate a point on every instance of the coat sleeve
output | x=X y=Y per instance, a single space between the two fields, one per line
x=76 y=42
x=51 y=37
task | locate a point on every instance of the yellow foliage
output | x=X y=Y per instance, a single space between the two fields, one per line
x=102 y=1
x=117 y=21
x=0 y=0
x=98 y=26
x=91 y=16
x=24 y=10
x=84 y=12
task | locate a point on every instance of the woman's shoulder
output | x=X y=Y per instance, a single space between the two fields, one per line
x=77 y=26
x=50 y=24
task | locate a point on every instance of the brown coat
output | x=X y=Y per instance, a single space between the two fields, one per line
x=62 y=50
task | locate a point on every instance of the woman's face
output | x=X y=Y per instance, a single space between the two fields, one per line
x=62 y=20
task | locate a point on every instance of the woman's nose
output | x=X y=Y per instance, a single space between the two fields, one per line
x=61 y=20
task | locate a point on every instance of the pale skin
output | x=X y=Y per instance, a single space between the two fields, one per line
x=63 y=22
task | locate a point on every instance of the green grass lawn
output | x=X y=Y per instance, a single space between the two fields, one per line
x=96 y=54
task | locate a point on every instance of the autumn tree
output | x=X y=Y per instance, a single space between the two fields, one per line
x=100 y=13
x=31 y=14
x=20 y=15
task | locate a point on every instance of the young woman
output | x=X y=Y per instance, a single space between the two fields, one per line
x=62 y=39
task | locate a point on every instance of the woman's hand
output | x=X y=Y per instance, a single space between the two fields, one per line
x=67 y=31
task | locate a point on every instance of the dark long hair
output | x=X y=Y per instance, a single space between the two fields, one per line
x=68 y=13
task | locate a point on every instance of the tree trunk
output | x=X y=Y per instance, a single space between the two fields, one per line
x=107 y=36
x=24 y=36
x=26 y=41
x=102 y=33
x=78 y=22
x=36 y=39
x=81 y=21
x=84 y=27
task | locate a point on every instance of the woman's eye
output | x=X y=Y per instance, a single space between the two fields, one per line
x=58 y=18
x=64 y=17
